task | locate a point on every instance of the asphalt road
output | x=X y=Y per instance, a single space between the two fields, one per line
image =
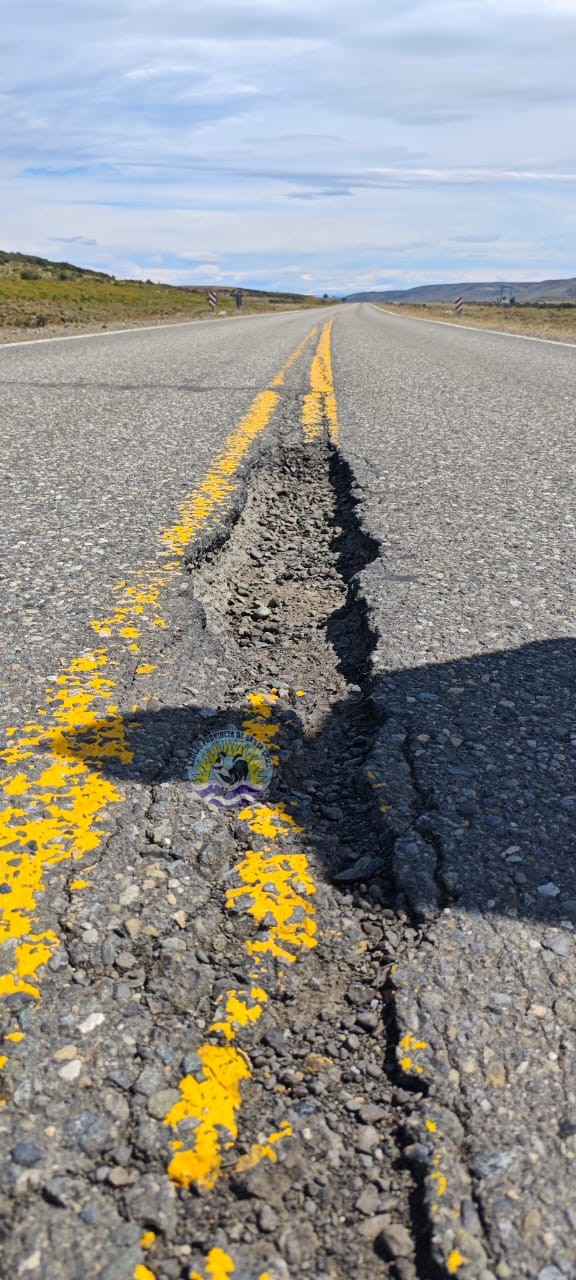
x=102 y=439
x=455 y=488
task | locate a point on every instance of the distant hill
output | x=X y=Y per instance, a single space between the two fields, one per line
x=18 y=264
x=26 y=266
x=522 y=291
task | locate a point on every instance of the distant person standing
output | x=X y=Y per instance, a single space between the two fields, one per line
x=239 y=301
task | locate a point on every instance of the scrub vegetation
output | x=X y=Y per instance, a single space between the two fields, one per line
x=537 y=321
x=38 y=294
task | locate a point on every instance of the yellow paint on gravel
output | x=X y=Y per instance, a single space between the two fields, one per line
x=213 y=1102
x=220 y=1266
x=407 y=1047
x=240 y=1013
x=276 y=889
x=263 y=1150
x=319 y=406
x=280 y=890
x=56 y=793
x=454 y=1261
x=64 y=800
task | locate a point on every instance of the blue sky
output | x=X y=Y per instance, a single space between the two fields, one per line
x=315 y=146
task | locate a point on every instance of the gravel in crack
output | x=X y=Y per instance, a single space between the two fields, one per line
x=249 y=956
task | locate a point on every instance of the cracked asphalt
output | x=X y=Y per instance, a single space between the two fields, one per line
x=333 y=1036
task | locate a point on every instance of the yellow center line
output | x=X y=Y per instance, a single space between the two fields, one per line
x=319 y=406
x=57 y=796
x=276 y=889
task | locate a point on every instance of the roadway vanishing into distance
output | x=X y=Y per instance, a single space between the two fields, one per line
x=334 y=1034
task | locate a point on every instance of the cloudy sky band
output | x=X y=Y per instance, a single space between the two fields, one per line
x=341 y=142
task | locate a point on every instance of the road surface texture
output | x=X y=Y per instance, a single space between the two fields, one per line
x=331 y=1034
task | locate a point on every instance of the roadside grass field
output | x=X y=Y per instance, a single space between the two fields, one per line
x=58 y=296
x=543 y=321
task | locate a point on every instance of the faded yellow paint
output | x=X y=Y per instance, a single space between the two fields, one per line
x=276 y=889
x=79 y=884
x=239 y=1013
x=263 y=1150
x=145 y=668
x=454 y=1261
x=320 y=403
x=409 y=1045
x=15 y=1036
x=262 y=732
x=441 y=1182
x=431 y=1126
x=147 y=1240
x=143 y=1273
x=410 y=1042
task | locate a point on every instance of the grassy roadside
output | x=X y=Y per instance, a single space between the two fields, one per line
x=44 y=306
x=537 y=322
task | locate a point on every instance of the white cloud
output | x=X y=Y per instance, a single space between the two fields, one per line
x=225 y=133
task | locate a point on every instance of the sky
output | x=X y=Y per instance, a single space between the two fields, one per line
x=313 y=145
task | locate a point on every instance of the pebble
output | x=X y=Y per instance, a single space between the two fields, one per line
x=367 y=1203
x=548 y=890
x=372 y=1226
x=371 y=1113
x=395 y=1241
x=161 y=1102
x=71 y=1070
x=367 y=1020
x=267 y=1219
x=495 y=1162
x=26 y=1153
x=561 y=946
x=91 y=1022
x=333 y=812
x=67 y=1052
x=120 y=1177
x=367 y=1138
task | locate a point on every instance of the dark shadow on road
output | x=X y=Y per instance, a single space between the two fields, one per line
x=485 y=774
